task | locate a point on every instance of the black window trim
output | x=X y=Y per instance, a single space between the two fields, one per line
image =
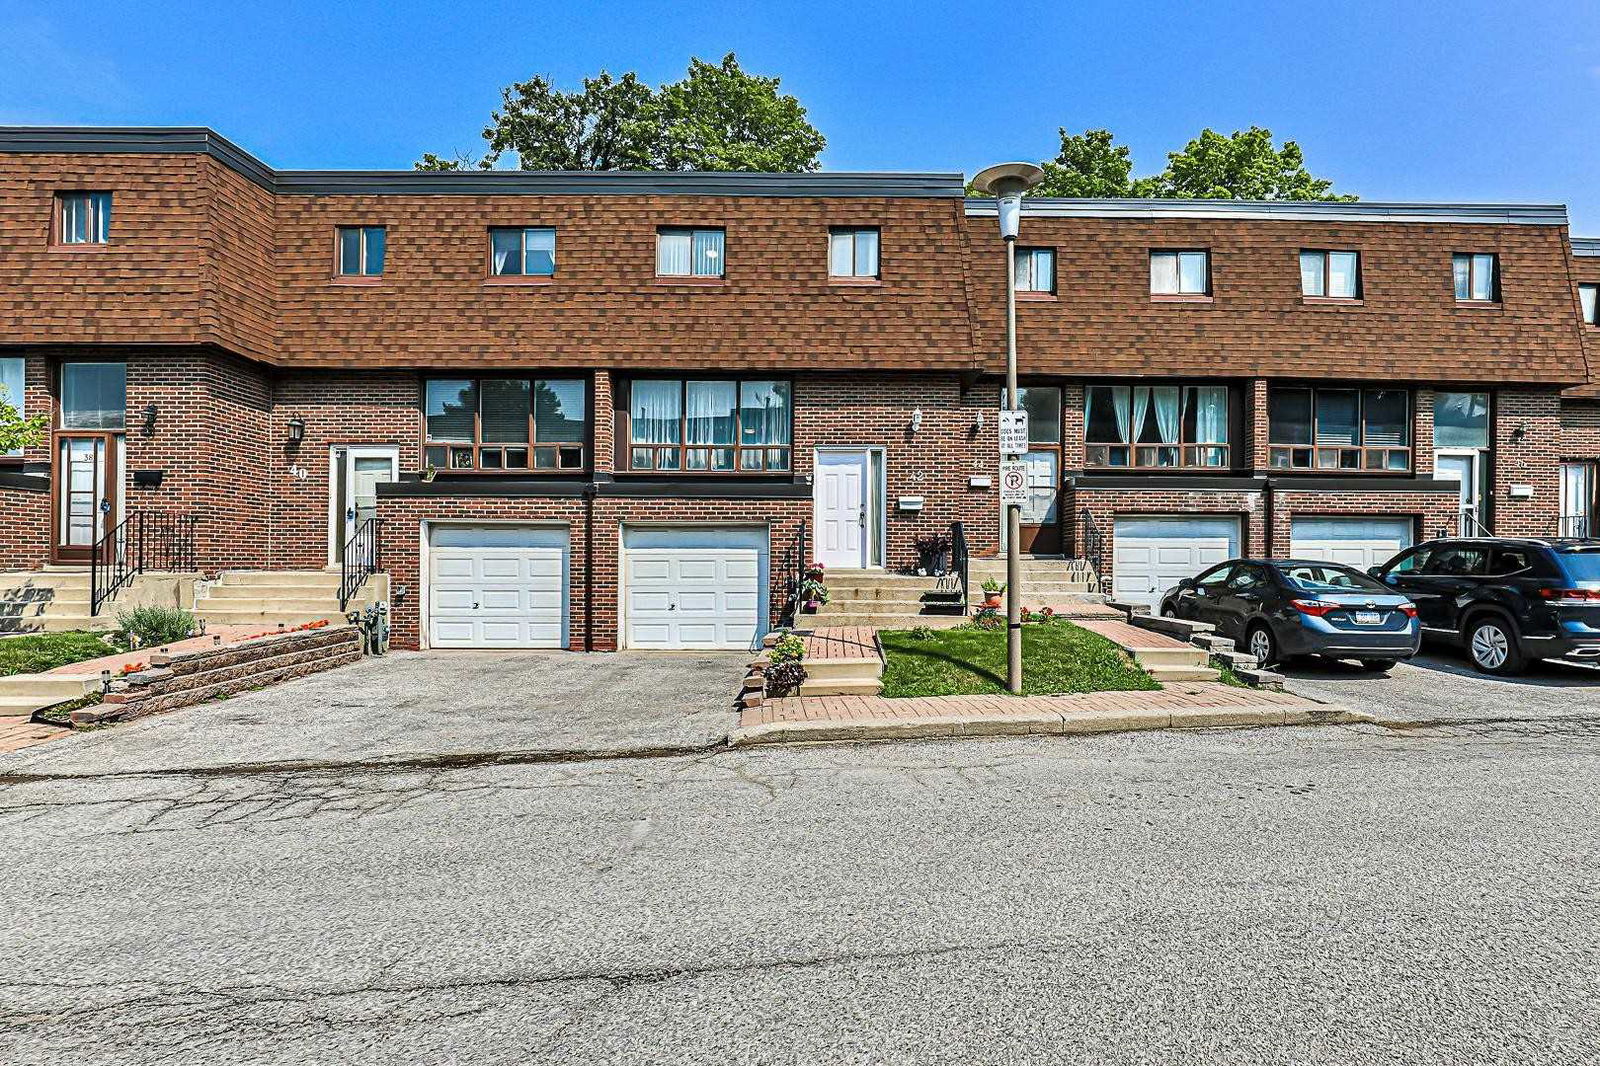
x=1360 y=389
x=478 y=444
x=623 y=445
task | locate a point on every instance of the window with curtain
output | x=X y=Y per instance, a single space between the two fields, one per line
x=1339 y=429
x=362 y=250
x=1180 y=273
x=695 y=253
x=505 y=423
x=1155 y=427
x=94 y=396
x=1461 y=419
x=1036 y=270
x=853 y=252
x=1588 y=299
x=1330 y=275
x=85 y=217
x=522 y=251
x=1477 y=277
x=709 y=426
x=13 y=380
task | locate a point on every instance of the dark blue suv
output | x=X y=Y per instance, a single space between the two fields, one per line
x=1505 y=600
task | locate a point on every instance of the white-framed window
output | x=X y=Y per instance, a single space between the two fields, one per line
x=84 y=217
x=1331 y=275
x=1461 y=419
x=94 y=395
x=1477 y=277
x=689 y=253
x=1036 y=270
x=1588 y=299
x=1180 y=273
x=522 y=251
x=853 y=252
x=13 y=380
x=362 y=250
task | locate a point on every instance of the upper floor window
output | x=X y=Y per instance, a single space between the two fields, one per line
x=853 y=252
x=1461 y=420
x=525 y=251
x=85 y=217
x=361 y=251
x=1332 y=275
x=706 y=426
x=1036 y=270
x=94 y=395
x=1180 y=273
x=1477 y=277
x=1588 y=297
x=1156 y=426
x=1339 y=429
x=13 y=374
x=506 y=423
x=687 y=253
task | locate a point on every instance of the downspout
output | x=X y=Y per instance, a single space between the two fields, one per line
x=589 y=491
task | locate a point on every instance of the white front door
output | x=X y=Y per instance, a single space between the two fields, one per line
x=497 y=587
x=841 y=488
x=1358 y=542
x=1151 y=554
x=1466 y=468
x=1577 y=499
x=357 y=472
x=694 y=587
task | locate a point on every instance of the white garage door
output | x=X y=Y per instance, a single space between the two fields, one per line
x=694 y=587
x=497 y=587
x=1357 y=542
x=1154 y=553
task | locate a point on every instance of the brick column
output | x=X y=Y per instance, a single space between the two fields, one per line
x=605 y=424
x=1255 y=426
x=1422 y=434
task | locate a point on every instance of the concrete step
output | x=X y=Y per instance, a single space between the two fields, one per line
x=288 y=603
x=881 y=592
x=271 y=592
x=58 y=686
x=867 y=686
x=1182 y=673
x=1186 y=656
x=267 y=620
x=894 y=621
x=846 y=605
x=320 y=578
x=843 y=669
x=58 y=623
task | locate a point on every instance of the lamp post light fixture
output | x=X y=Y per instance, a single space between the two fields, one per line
x=1006 y=182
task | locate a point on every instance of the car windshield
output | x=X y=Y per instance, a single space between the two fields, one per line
x=1328 y=577
x=1581 y=565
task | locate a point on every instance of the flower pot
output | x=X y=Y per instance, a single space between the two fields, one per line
x=812 y=605
x=991 y=599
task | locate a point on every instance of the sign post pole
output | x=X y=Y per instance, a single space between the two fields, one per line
x=1013 y=511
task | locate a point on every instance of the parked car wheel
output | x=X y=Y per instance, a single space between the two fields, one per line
x=1262 y=644
x=1492 y=646
x=1377 y=666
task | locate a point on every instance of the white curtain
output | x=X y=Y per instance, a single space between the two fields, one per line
x=842 y=254
x=74 y=221
x=539 y=255
x=1141 y=405
x=507 y=251
x=102 y=217
x=672 y=253
x=1311 y=274
x=709 y=418
x=707 y=252
x=654 y=413
x=1166 y=401
x=867 y=253
x=1577 y=495
x=1120 y=398
x=1211 y=414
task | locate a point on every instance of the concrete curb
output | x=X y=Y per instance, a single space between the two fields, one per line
x=1045 y=723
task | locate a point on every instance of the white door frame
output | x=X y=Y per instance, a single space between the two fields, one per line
x=1478 y=456
x=764 y=604
x=875 y=543
x=338 y=527
x=424 y=563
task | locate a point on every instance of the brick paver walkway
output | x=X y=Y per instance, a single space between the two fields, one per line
x=1130 y=636
x=841 y=642
x=17 y=733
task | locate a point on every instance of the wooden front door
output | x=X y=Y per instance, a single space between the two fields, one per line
x=86 y=493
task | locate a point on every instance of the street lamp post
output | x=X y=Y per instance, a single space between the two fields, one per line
x=1006 y=182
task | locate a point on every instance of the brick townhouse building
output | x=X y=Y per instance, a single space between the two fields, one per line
x=601 y=410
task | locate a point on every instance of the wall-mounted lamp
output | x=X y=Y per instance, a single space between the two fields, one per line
x=980 y=418
x=1519 y=433
x=297 y=430
x=916 y=420
x=150 y=413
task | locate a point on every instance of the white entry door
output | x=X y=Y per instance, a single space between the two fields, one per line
x=357 y=473
x=1467 y=468
x=694 y=587
x=497 y=587
x=1357 y=542
x=1153 y=553
x=840 y=491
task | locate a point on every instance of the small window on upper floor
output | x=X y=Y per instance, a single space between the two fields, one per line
x=1180 y=273
x=1330 y=275
x=83 y=217
x=689 y=253
x=1588 y=298
x=1477 y=277
x=853 y=252
x=522 y=251
x=361 y=251
x=1036 y=270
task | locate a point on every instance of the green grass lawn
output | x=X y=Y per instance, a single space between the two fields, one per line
x=36 y=652
x=1057 y=657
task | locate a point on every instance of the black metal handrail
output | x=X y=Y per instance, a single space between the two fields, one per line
x=144 y=540
x=360 y=559
x=797 y=574
x=1472 y=525
x=1094 y=547
x=960 y=558
x=1575 y=525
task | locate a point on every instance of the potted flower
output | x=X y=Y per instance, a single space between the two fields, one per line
x=992 y=591
x=785 y=672
x=813 y=592
x=933 y=554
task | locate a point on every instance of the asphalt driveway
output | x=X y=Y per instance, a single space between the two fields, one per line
x=429 y=703
x=1440 y=685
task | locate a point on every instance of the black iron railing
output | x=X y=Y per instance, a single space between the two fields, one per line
x=1575 y=525
x=144 y=540
x=797 y=575
x=361 y=559
x=959 y=561
x=1472 y=525
x=1094 y=547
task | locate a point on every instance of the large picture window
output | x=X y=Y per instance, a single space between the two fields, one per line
x=1461 y=419
x=709 y=426
x=94 y=395
x=505 y=423
x=1156 y=426
x=1339 y=429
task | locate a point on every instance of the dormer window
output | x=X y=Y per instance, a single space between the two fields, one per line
x=689 y=253
x=1477 y=277
x=83 y=217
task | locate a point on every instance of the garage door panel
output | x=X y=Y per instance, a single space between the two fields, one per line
x=500 y=569
x=451 y=599
x=693 y=568
x=1354 y=541
x=1153 y=553
x=696 y=602
x=497 y=587
x=694 y=587
x=502 y=600
x=451 y=566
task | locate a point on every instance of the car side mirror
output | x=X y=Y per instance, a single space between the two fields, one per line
x=1186 y=583
x=1375 y=571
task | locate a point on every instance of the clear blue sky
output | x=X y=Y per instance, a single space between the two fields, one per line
x=1459 y=100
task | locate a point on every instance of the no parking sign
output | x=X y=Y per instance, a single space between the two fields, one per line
x=1013 y=483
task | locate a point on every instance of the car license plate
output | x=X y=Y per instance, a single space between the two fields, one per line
x=1369 y=618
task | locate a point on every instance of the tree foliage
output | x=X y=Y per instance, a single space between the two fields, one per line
x=17 y=432
x=1246 y=165
x=718 y=117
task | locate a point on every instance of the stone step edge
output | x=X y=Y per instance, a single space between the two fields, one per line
x=158 y=702
x=274 y=644
x=173 y=683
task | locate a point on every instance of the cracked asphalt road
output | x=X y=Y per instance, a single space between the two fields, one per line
x=1333 y=895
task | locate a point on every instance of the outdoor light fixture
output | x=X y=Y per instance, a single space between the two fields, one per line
x=1006 y=182
x=297 y=430
x=150 y=419
x=105 y=681
x=916 y=420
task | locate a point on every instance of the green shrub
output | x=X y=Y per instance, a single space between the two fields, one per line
x=151 y=626
x=788 y=649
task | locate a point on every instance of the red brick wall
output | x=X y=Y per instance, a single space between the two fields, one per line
x=24 y=528
x=1528 y=439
